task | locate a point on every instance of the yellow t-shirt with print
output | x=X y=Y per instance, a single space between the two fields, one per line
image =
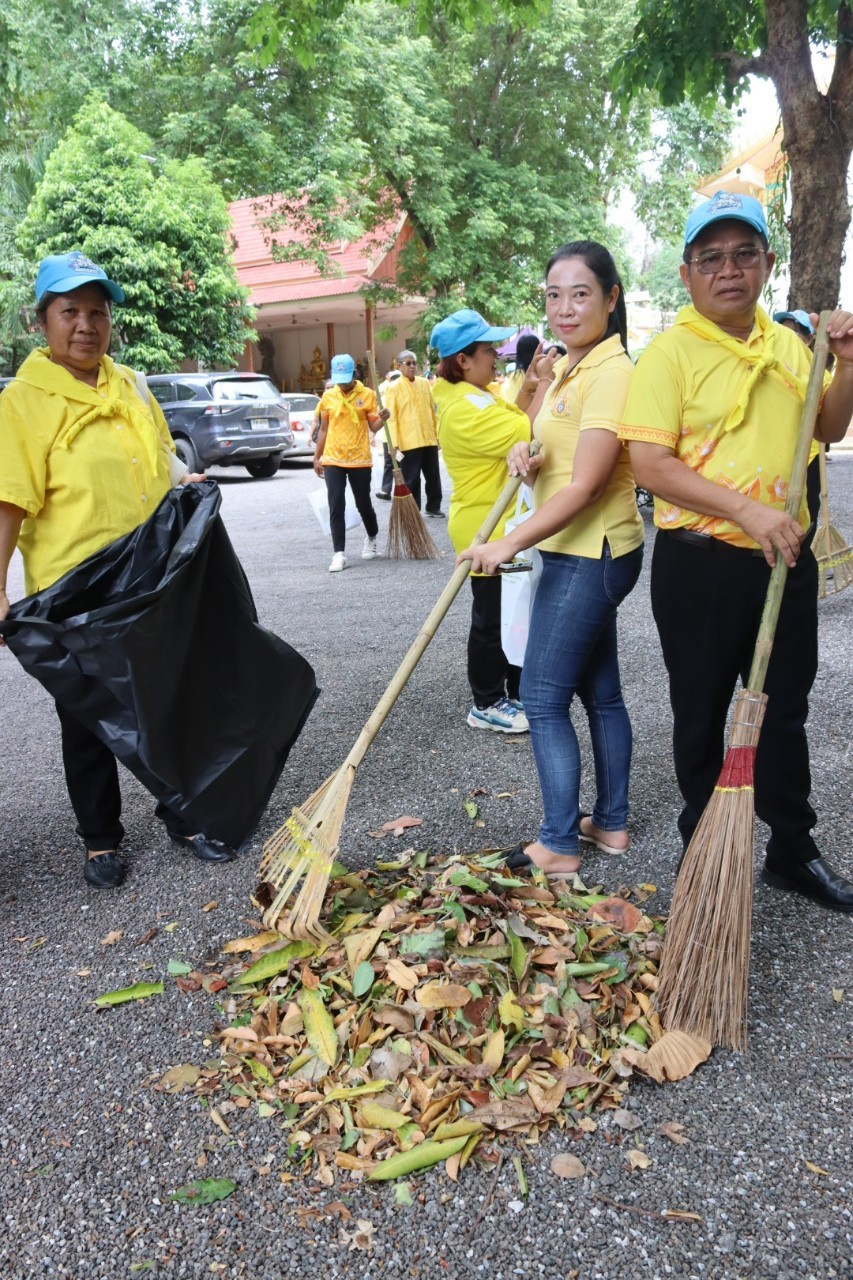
x=729 y=409
x=476 y=431
x=412 y=423
x=590 y=397
x=86 y=464
x=348 y=437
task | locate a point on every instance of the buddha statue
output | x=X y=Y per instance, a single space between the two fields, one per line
x=318 y=365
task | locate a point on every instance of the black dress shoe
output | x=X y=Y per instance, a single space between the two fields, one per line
x=203 y=847
x=106 y=871
x=813 y=879
x=436 y=515
x=380 y=493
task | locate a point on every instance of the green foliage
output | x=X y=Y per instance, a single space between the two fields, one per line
x=159 y=230
x=662 y=280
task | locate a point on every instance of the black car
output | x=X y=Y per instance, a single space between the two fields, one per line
x=225 y=420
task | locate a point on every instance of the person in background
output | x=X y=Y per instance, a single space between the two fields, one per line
x=800 y=323
x=84 y=459
x=525 y=349
x=712 y=421
x=413 y=431
x=348 y=416
x=384 y=492
x=590 y=536
x=476 y=430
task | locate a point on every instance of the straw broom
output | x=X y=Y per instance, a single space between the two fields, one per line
x=408 y=538
x=304 y=848
x=834 y=556
x=704 y=974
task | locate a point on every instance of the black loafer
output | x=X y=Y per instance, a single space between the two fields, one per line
x=381 y=494
x=203 y=847
x=813 y=879
x=106 y=871
x=436 y=515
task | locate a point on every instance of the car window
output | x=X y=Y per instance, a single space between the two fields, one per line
x=162 y=392
x=302 y=404
x=185 y=392
x=245 y=389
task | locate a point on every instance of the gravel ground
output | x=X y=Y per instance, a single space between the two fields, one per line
x=90 y=1153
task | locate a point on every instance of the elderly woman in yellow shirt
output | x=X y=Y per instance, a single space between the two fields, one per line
x=85 y=457
x=589 y=532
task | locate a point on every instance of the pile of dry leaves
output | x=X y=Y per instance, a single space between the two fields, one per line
x=457 y=1002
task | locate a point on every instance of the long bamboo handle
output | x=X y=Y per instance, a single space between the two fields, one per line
x=371 y=364
x=779 y=574
x=428 y=630
x=823 y=519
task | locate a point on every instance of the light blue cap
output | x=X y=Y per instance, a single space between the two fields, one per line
x=343 y=368
x=62 y=272
x=726 y=205
x=461 y=329
x=799 y=317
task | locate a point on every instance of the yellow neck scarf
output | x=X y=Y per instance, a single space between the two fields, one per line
x=760 y=359
x=348 y=400
x=38 y=370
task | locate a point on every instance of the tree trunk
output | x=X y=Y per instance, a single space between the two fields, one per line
x=818 y=139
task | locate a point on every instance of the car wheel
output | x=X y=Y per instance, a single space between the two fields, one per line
x=263 y=468
x=186 y=453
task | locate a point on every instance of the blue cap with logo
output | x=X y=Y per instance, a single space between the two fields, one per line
x=343 y=368
x=62 y=272
x=461 y=329
x=726 y=205
x=801 y=318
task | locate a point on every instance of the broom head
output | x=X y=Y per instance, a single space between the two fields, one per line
x=704 y=974
x=408 y=538
x=834 y=561
x=298 y=859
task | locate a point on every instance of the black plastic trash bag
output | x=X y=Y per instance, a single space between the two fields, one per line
x=153 y=644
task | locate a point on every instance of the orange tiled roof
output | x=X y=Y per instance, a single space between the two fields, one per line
x=357 y=263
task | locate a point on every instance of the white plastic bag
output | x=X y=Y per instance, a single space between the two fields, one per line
x=517 y=589
x=319 y=499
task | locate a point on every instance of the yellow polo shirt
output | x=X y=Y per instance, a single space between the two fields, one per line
x=683 y=394
x=348 y=437
x=511 y=386
x=86 y=464
x=412 y=410
x=476 y=431
x=590 y=397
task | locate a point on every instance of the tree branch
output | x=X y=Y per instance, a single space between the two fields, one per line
x=418 y=226
x=739 y=65
x=841 y=84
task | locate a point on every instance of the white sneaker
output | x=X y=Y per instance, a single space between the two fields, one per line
x=368 y=551
x=339 y=561
x=503 y=717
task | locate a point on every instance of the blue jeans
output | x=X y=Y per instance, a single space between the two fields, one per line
x=572 y=649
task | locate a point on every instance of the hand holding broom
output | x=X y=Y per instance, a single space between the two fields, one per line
x=704 y=975
x=408 y=538
x=304 y=848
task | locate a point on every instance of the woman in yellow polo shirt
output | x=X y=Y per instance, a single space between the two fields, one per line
x=590 y=534
x=85 y=458
x=476 y=430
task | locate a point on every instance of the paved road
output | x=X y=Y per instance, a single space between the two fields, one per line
x=90 y=1152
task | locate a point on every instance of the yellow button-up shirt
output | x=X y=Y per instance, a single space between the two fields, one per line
x=348 y=436
x=413 y=418
x=86 y=464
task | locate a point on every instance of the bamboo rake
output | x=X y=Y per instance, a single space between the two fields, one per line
x=304 y=848
x=834 y=556
x=704 y=975
x=408 y=538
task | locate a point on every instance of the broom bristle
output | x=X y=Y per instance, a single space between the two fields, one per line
x=304 y=849
x=704 y=974
x=408 y=538
x=834 y=561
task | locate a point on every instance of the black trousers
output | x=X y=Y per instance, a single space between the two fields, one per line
x=707 y=603
x=91 y=776
x=490 y=675
x=418 y=462
x=387 y=470
x=336 y=487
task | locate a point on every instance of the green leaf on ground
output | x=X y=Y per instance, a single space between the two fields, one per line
x=139 y=991
x=204 y=1191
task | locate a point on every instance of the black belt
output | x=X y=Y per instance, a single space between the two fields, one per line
x=707 y=543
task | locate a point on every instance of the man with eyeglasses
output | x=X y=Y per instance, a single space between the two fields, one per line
x=413 y=431
x=712 y=419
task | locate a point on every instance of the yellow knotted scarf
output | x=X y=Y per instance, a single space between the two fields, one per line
x=759 y=359
x=348 y=400
x=40 y=371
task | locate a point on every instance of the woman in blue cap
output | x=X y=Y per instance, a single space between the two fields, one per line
x=476 y=430
x=85 y=457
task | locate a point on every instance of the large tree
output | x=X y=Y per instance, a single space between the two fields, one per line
x=159 y=229
x=701 y=49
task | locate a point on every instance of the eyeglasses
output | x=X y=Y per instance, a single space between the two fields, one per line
x=408 y=362
x=708 y=264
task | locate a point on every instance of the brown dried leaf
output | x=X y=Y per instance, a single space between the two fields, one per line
x=401 y=975
x=443 y=995
x=674 y=1056
x=815 y=1168
x=253 y=943
x=627 y=1119
x=112 y=937
x=210 y=906
x=616 y=911
x=508 y=1113
x=674 y=1131
x=399 y=825
x=566 y=1166
x=638 y=1159
x=179 y=1078
x=359 y=947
